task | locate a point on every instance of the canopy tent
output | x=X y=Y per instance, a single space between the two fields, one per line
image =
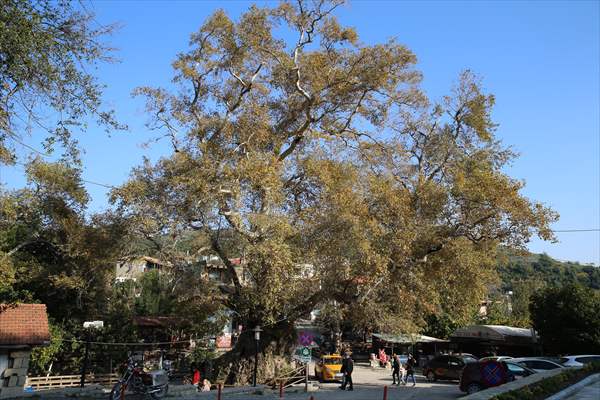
x=483 y=340
x=407 y=339
x=495 y=334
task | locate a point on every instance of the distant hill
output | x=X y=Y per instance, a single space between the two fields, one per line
x=543 y=268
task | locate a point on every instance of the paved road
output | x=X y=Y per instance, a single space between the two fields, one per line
x=368 y=385
x=590 y=392
x=365 y=392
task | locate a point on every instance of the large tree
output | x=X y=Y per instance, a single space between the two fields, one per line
x=567 y=319
x=338 y=177
x=47 y=50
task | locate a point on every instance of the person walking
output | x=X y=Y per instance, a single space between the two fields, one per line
x=395 y=369
x=347 y=369
x=411 y=363
x=402 y=371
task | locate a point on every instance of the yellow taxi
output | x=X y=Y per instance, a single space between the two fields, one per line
x=328 y=368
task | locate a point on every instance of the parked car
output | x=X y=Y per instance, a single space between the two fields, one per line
x=447 y=366
x=482 y=375
x=328 y=368
x=579 y=361
x=495 y=358
x=538 y=364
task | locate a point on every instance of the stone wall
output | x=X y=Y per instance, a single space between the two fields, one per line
x=12 y=378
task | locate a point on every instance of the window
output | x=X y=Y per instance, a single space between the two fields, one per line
x=540 y=364
x=587 y=360
x=456 y=361
x=515 y=369
x=442 y=360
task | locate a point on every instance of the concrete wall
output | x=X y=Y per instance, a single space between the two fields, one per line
x=131 y=269
x=13 y=372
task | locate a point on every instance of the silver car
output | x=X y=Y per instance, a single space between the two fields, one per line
x=579 y=361
x=538 y=364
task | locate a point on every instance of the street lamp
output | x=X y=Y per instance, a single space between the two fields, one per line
x=257 y=332
x=509 y=301
x=88 y=326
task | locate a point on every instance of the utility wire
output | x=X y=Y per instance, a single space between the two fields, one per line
x=123 y=344
x=577 y=230
x=82 y=180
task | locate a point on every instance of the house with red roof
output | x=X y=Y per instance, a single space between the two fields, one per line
x=22 y=327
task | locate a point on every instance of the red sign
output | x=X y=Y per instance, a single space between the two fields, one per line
x=224 y=341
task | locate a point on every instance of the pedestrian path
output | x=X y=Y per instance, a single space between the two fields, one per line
x=590 y=392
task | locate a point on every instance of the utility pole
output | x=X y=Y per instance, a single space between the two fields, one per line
x=257 y=332
x=86 y=357
x=88 y=326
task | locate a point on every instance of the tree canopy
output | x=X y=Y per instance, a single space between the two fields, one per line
x=340 y=178
x=47 y=49
x=567 y=319
x=314 y=158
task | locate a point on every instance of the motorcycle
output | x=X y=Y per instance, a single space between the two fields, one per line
x=153 y=383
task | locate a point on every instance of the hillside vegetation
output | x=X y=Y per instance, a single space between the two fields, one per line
x=546 y=270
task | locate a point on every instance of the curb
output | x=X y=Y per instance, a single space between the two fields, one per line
x=575 y=388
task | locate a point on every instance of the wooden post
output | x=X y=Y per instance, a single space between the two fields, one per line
x=281 y=389
x=219 y=391
x=306 y=378
x=86 y=359
x=385 y=389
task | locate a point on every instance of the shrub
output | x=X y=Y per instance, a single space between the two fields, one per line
x=547 y=387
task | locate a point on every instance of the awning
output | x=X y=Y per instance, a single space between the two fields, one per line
x=407 y=338
x=495 y=333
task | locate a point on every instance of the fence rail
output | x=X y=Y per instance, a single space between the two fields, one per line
x=51 y=382
x=289 y=379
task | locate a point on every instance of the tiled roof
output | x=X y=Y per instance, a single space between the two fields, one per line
x=24 y=324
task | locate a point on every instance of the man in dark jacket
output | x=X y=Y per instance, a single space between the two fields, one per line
x=411 y=363
x=347 y=368
x=395 y=369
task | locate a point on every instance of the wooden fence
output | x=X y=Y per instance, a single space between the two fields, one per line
x=51 y=382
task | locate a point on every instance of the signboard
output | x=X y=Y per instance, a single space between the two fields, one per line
x=305 y=355
x=224 y=341
x=305 y=339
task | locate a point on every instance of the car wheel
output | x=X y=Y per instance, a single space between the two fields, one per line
x=473 y=388
x=431 y=376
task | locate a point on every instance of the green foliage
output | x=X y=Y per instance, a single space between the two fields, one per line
x=322 y=151
x=439 y=326
x=42 y=357
x=549 y=386
x=567 y=319
x=200 y=355
x=513 y=267
x=154 y=295
x=46 y=49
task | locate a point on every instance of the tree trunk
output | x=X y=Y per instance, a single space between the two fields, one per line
x=275 y=348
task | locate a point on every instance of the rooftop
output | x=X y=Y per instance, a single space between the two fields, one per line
x=24 y=324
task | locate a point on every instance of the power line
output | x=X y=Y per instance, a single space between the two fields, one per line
x=82 y=180
x=124 y=344
x=576 y=230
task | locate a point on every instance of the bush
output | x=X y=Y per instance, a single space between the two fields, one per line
x=547 y=387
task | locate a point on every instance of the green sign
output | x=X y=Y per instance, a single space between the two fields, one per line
x=305 y=354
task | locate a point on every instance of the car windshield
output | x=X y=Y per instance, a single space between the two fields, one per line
x=332 y=361
x=564 y=360
x=514 y=368
x=468 y=359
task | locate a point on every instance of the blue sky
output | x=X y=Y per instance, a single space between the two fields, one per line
x=540 y=59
